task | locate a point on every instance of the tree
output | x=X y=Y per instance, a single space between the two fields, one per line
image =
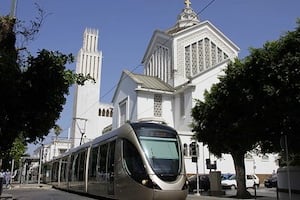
x=255 y=103
x=17 y=150
x=33 y=88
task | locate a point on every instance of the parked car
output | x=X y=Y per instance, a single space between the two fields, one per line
x=271 y=181
x=251 y=181
x=204 y=183
x=226 y=176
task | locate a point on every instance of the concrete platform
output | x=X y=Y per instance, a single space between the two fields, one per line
x=5 y=196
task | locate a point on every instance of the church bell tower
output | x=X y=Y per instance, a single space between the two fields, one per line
x=86 y=98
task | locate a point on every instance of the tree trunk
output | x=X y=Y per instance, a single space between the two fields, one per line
x=239 y=164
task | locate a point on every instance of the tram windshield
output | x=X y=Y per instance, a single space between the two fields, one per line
x=162 y=150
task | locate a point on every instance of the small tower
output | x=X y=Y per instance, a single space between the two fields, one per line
x=85 y=124
x=187 y=17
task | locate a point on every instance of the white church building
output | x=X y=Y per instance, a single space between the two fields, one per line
x=180 y=63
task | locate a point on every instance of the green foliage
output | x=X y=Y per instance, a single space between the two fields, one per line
x=57 y=130
x=33 y=91
x=254 y=105
x=44 y=90
x=18 y=149
x=256 y=101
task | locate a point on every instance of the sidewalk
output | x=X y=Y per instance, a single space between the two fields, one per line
x=203 y=196
x=7 y=196
x=230 y=194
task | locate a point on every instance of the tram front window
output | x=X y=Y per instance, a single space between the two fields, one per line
x=161 y=146
x=163 y=155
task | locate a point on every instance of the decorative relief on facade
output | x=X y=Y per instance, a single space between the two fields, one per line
x=207 y=53
x=225 y=56
x=202 y=55
x=220 y=55
x=213 y=54
x=210 y=51
x=200 y=50
x=194 y=58
x=187 y=61
x=157 y=105
x=159 y=63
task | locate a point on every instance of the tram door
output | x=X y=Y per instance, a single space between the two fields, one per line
x=110 y=168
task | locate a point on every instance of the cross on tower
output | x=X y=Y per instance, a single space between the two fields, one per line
x=187 y=3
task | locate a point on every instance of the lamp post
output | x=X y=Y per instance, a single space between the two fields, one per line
x=195 y=154
x=12 y=170
x=40 y=164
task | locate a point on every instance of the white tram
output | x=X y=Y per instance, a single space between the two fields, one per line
x=136 y=161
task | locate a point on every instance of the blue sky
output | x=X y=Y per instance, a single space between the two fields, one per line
x=126 y=26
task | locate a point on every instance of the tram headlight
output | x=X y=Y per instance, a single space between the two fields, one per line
x=144 y=182
x=150 y=184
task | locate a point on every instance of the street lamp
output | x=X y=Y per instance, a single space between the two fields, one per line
x=40 y=163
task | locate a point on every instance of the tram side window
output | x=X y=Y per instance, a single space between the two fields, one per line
x=102 y=160
x=81 y=167
x=71 y=168
x=93 y=163
x=64 y=170
x=55 y=171
x=132 y=161
x=111 y=157
x=75 y=168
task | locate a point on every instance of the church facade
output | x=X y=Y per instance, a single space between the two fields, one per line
x=180 y=63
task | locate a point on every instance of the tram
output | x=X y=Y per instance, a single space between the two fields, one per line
x=140 y=160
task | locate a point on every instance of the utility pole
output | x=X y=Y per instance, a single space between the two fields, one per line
x=13 y=8
x=40 y=163
x=195 y=155
x=81 y=130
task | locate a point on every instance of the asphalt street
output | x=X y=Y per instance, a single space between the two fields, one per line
x=45 y=192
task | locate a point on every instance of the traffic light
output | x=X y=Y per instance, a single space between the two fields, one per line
x=193 y=149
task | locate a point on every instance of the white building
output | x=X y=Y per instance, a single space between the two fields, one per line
x=180 y=63
x=53 y=149
x=90 y=116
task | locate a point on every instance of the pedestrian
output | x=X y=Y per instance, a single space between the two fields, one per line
x=1 y=181
x=7 y=178
x=2 y=176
